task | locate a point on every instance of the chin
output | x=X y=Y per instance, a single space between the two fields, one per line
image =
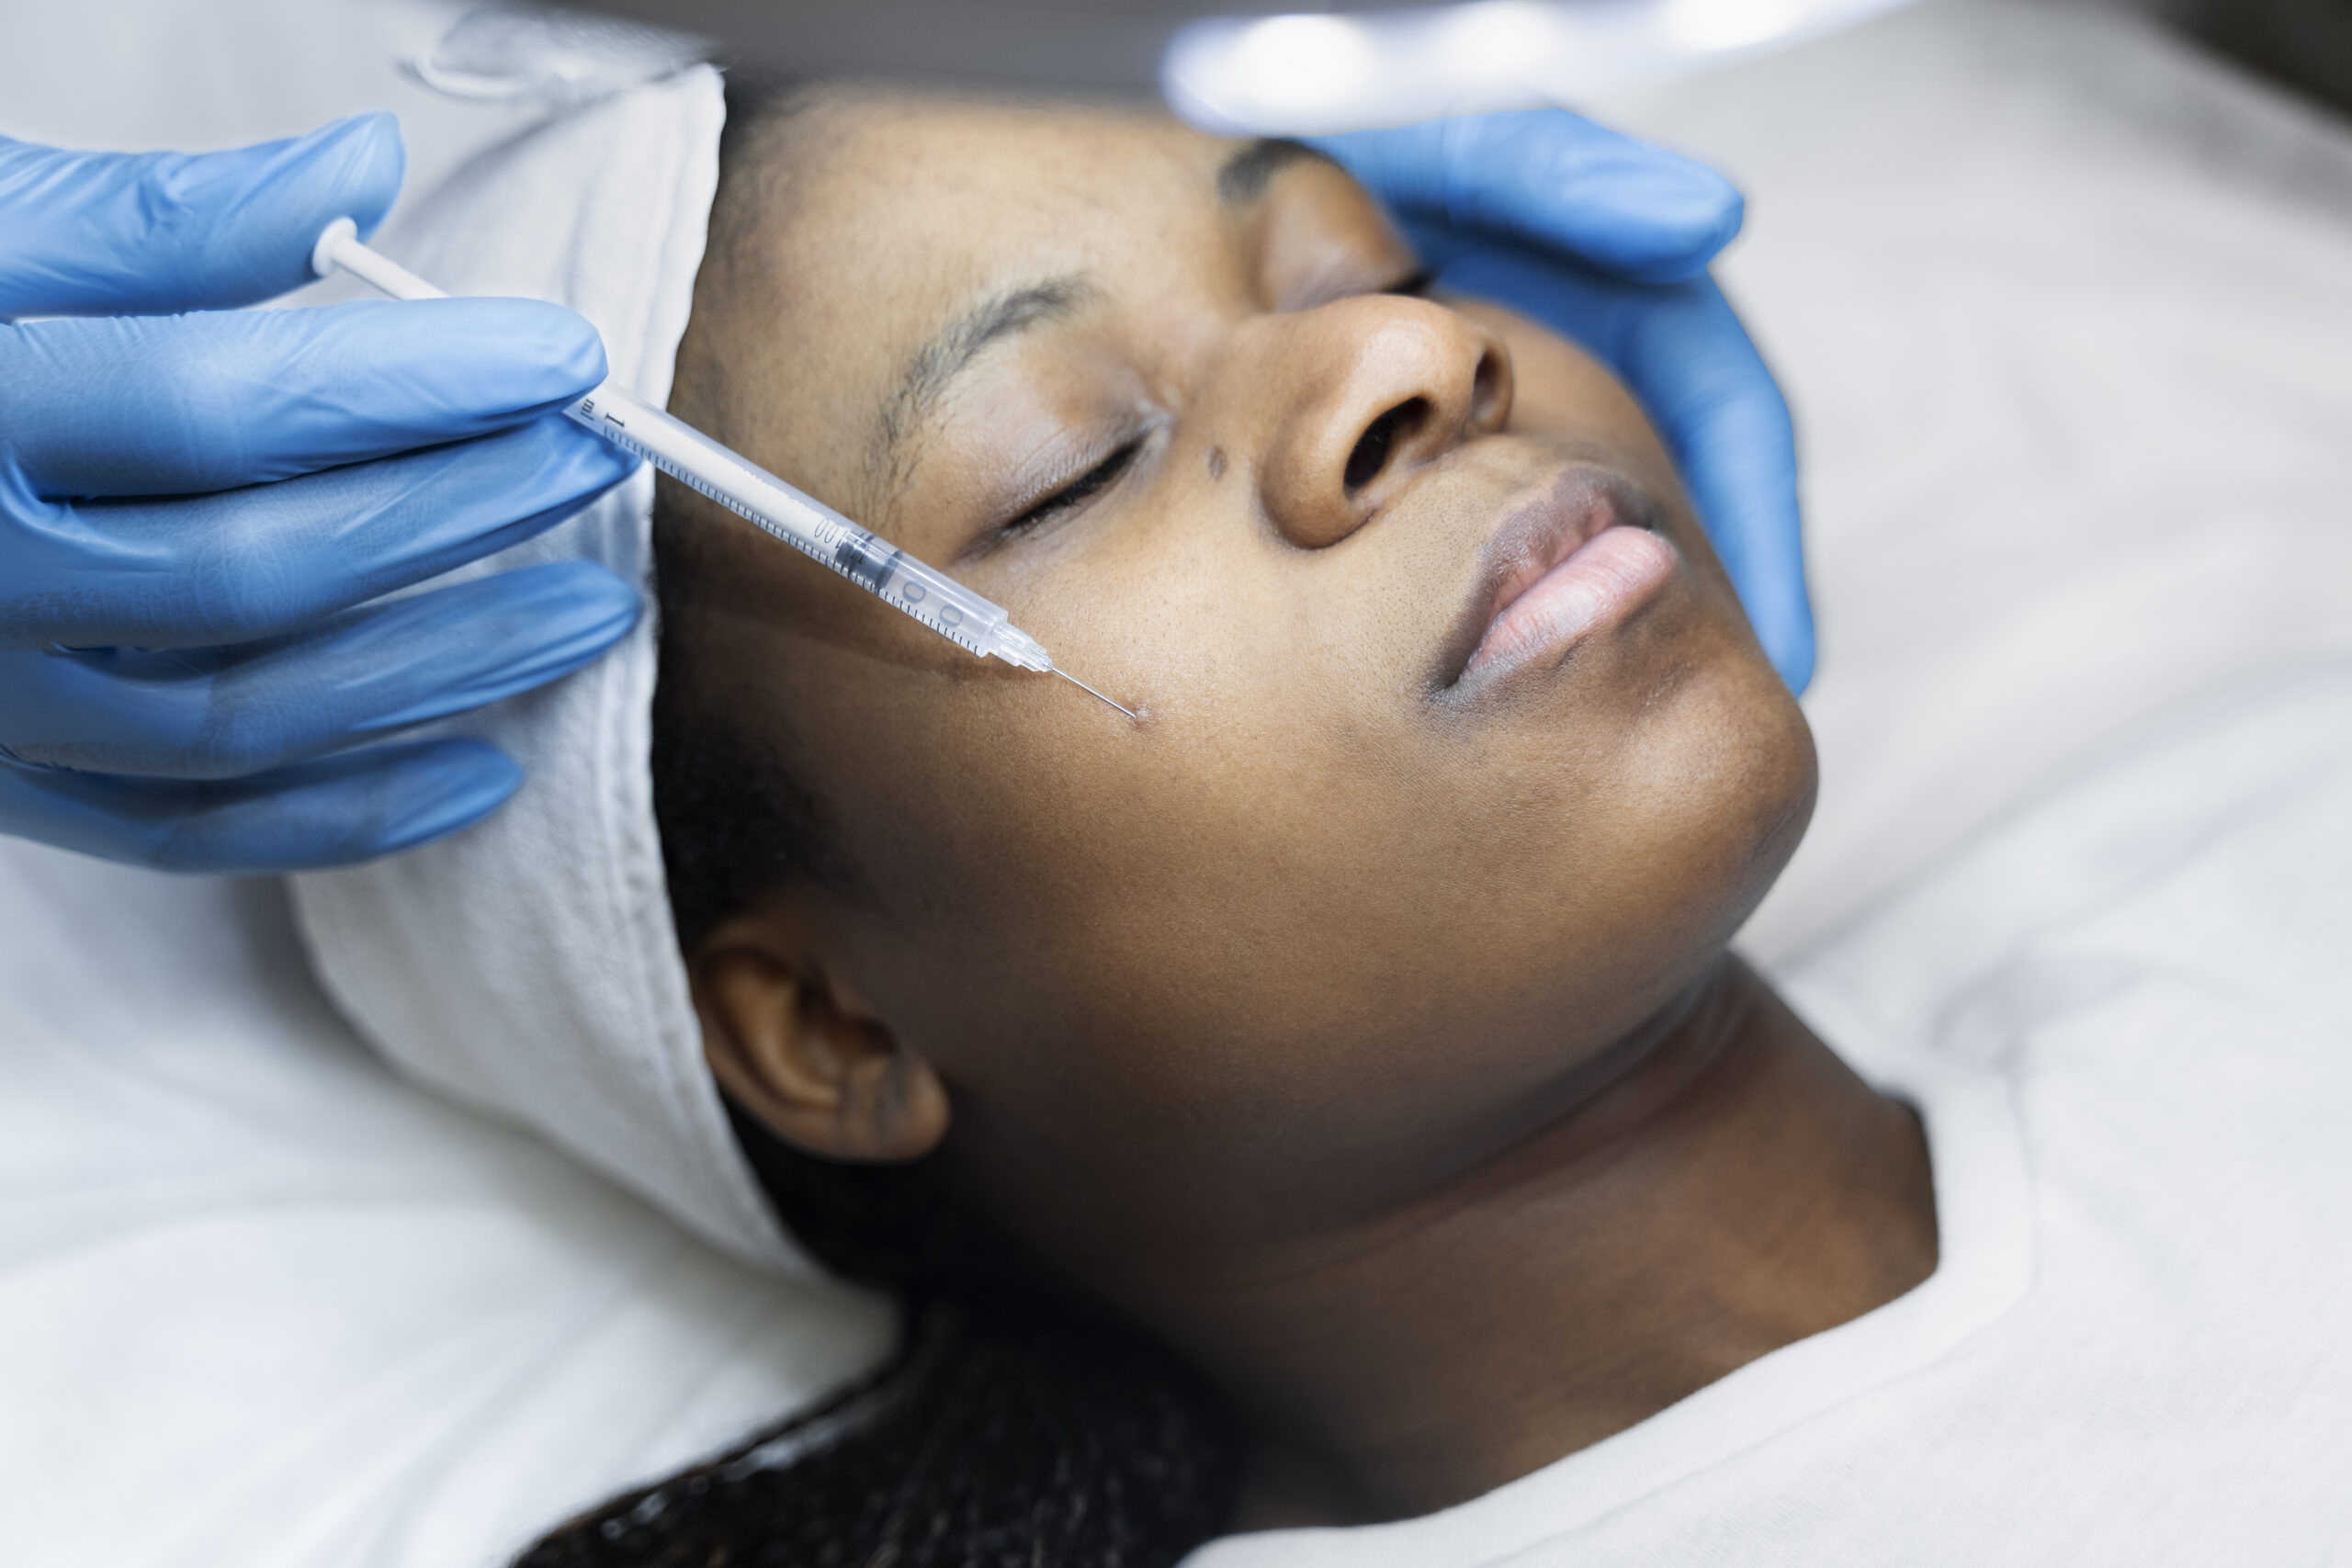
x=1778 y=776
x=1724 y=751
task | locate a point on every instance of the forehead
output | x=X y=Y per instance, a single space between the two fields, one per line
x=863 y=222
x=890 y=213
x=873 y=167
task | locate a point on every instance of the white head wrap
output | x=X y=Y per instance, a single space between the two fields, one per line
x=527 y=967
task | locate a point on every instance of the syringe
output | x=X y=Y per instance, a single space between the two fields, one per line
x=808 y=526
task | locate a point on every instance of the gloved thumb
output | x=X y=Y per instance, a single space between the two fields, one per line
x=152 y=233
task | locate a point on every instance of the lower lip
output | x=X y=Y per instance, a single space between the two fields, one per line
x=1608 y=577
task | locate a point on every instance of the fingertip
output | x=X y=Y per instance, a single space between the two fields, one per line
x=596 y=465
x=581 y=359
x=605 y=593
x=560 y=347
x=376 y=161
x=565 y=341
x=1780 y=610
x=444 y=785
x=1671 y=216
x=1734 y=217
x=1798 y=672
x=503 y=358
x=1714 y=210
x=585 y=605
x=1792 y=653
x=350 y=168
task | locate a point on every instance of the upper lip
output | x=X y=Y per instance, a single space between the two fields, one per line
x=1541 y=526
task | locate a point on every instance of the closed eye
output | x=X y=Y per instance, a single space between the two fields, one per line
x=1080 y=490
x=1417 y=284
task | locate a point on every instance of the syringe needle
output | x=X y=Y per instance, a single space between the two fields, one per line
x=1092 y=691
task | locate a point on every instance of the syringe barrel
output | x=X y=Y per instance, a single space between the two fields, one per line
x=686 y=455
x=938 y=601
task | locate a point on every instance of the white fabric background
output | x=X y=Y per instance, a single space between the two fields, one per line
x=263 y=1304
x=138 y=75
x=2065 y=315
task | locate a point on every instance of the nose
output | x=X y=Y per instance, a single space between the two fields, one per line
x=1373 y=389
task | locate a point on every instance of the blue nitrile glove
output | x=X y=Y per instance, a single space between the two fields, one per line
x=1607 y=240
x=192 y=505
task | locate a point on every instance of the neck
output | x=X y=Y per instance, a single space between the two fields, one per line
x=1734 y=1189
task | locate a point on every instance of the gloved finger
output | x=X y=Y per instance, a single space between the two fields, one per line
x=1551 y=180
x=170 y=405
x=1693 y=367
x=222 y=713
x=1681 y=349
x=136 y=233
x=240 y=565
x=333 y=811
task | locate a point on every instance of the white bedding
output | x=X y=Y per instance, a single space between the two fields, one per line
x=264 y=1305
x=2066 y=316
x=2064 y=312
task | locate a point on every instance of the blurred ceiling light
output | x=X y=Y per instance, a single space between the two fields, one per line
x=1728 y=24
x=1317 y=62
x=1297 y=75
x=1496 y=39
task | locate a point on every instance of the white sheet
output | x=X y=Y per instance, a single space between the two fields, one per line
x=2064 y=312
x=135 y=74
x=2042 y=287
x=263 y=1303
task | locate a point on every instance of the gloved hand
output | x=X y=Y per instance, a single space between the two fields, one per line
x=192 y=505
x=1607 y=240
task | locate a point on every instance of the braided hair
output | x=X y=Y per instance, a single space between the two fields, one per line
x=1017 y=1424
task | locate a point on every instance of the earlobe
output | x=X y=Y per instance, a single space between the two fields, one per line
x=824 y=1078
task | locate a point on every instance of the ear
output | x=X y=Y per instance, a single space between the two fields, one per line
x=824 y=1074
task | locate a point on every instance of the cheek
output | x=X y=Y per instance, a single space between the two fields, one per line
x=1308 y=942
x=1298 y=926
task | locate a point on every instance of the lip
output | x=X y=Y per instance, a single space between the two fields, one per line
x=1575 y=555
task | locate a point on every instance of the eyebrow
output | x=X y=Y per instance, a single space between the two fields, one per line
x=1241 y=179
x=1245 y=175
x=933 y=368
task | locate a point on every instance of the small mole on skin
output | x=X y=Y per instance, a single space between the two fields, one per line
x=1217 y=463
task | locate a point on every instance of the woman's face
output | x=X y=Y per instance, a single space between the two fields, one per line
x=1459 y=763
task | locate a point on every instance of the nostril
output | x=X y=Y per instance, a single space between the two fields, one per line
x=1489 y=391
x=1380 y=438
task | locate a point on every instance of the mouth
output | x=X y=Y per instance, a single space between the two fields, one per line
x=1575 y=556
